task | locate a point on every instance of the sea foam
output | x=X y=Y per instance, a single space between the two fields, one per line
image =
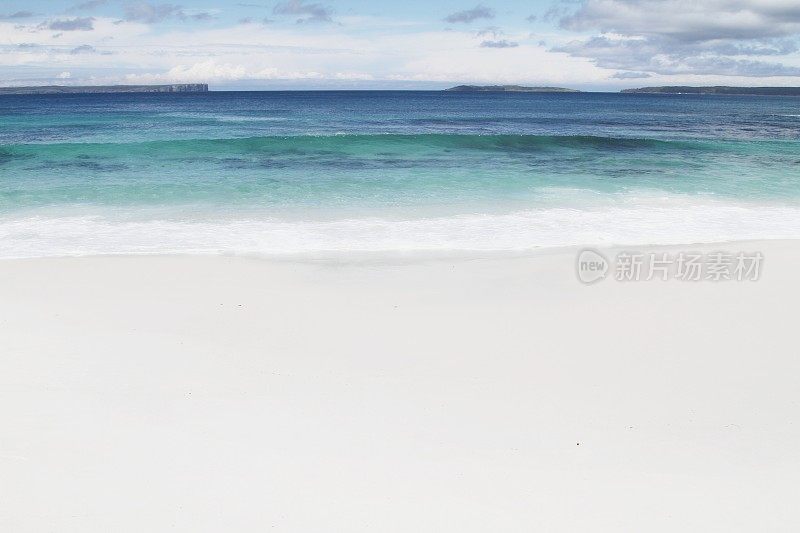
x=648 y=222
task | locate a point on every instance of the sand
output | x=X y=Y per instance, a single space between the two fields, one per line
x=143 y=394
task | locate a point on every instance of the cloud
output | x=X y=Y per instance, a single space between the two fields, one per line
x=655 y=56
x=499 y=44
x=83 y=49
x=387 y=56
x=469 y=15
x=253 y=20
x=557 y=11
x=736 y=67
x=630 y=75
x=202 y=15
x=490 y=31
x=723 y=37
x=308 y=12
x=531 y=18
x=152 y=13
x=52 y=52
x=688 y=20
x=387 y=49
x=18 y=15
x=90 y=4
x=76 y=24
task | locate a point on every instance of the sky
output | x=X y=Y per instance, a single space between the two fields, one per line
x=413 y=44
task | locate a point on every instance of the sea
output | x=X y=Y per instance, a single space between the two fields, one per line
x=327 y=172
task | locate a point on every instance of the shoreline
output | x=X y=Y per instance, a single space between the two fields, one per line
x=423 y=256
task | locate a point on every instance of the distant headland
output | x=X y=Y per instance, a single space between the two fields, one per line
x=508 y=89
x=100 y=89
x=744 y=91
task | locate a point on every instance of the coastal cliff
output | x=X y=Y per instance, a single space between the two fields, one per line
x=742 y=91
x=99 y=89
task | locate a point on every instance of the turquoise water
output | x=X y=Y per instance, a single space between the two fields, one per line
x=311 y=172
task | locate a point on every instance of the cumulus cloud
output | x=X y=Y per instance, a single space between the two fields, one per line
x=686 y=36
x=307 y=12
x=499 y=44
x=469 y=15
x=75 y=24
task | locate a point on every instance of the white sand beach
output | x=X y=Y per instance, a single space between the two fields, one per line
x=395 y=395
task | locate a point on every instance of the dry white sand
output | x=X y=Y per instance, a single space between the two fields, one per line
x=145 y=394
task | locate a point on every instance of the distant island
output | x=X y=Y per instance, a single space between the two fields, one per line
x=98 y=89
x=508 y=89
x=744 y=91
